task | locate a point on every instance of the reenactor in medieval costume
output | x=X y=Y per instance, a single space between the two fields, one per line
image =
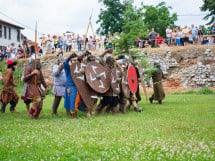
x=110 y=98
x=72 y=99
x=135 y=97
x=8 y=94
x=129 y=81
x=58 y=89
x=33 y=77
x=157 y=77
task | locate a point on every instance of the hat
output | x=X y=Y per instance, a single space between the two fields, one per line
x=11 y=62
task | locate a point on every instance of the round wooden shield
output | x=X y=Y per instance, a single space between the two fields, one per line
x=98 y=77
x=124 y=83
x=116 y=78
x=132 y=79
x=78 y=76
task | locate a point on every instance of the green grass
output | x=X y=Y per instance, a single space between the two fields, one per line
x=182 y=128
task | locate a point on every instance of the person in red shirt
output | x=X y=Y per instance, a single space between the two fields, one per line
x=158 y=40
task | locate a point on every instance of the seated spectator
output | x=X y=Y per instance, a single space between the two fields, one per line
x=158 y=40
x=204 y=41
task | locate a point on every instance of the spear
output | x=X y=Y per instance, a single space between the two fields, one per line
x=35 y=67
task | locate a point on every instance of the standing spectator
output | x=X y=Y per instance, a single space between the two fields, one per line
x=59 y=84
x=200 y=34
x=79 y=42
x=49 y=44
x=69 y=43
x=64 y=40
x=185 y=32
x=152 y=35
x=43 y=44
x=157 y=77
x=85 y=39
x=194 y=33
x=8 y=94
x=55 y=40
x=174 y=33
x=168 y=35
x=26 y=47
x=8 y=52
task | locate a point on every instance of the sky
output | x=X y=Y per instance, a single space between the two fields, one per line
x=57 y=17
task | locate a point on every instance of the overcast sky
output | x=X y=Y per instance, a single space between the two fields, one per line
x=58 y=16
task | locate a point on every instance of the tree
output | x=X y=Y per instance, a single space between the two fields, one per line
x=133 y=27
x=110 y=18
x=159 y=17
x=209 y=5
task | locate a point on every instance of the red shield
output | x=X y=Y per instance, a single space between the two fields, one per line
x=132 y=79
x=98 y=77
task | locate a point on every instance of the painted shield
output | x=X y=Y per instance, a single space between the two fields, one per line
x=132 y=79
x=124 y=84
x=116 y=77
x=98 y=77
x=87 y=94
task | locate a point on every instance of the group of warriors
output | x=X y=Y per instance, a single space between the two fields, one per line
x=88 y=83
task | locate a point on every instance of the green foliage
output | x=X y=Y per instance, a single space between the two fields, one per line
x=133 y=28
x=159 y=17
x=110 y=18
x=202 y=91
x=205 y=90
x=209 y=7
x=182 y=128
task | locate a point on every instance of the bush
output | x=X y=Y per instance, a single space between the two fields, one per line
x=205 y=90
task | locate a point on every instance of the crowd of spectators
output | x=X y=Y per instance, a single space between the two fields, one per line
x=66 y=42
x=177 y=36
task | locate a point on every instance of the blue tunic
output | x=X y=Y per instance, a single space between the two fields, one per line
x=69 y=98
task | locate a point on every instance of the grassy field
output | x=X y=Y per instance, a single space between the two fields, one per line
x=182 y=128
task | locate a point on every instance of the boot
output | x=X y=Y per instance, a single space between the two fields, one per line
x=136 y=109
x=151 y=100
x=68 y=112
x=27 y=107
x=122 y=108
x=55 y=105
x=74 y=114
x=99 y=108
x=12 y=107
x=31 y=112
x=3 y=107
x=128 y=106
x=113 y=110
x=38 y=113
x=108 y=109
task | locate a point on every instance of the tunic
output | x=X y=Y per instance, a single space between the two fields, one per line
x=59 y=81
x=8 y=93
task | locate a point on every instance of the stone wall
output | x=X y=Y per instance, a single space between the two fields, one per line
x=192 y=67
x=188 y=67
